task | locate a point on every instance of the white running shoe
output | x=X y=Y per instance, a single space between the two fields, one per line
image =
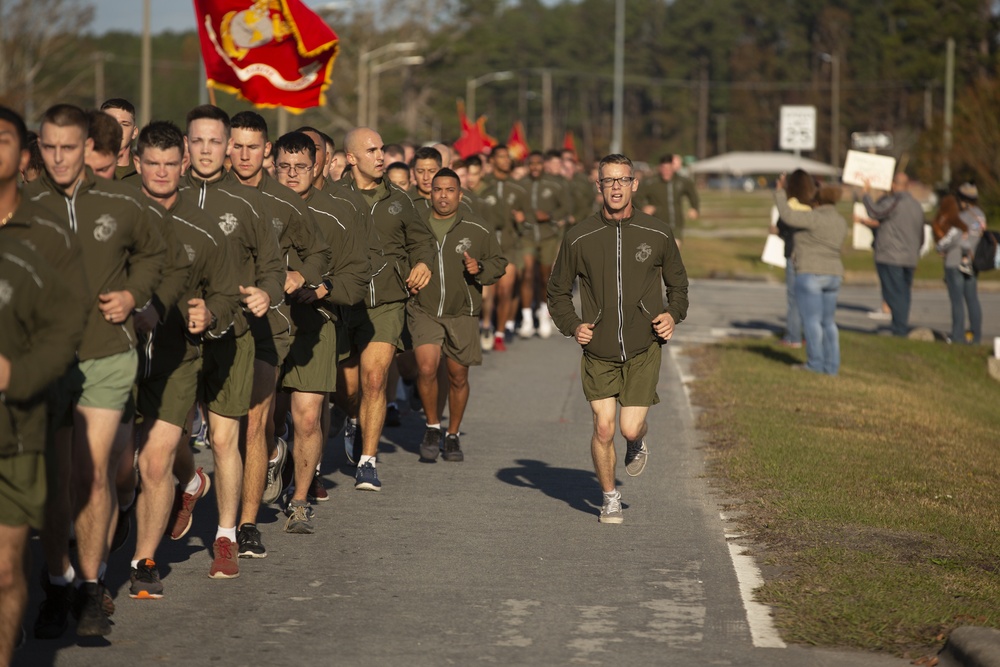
x=527 y=329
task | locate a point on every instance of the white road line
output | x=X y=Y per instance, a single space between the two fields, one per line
x=762 y=630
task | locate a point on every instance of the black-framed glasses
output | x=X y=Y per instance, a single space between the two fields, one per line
x=624 y=181
x=286 y=168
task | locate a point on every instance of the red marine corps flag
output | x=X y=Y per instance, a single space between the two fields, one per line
x=270 y=52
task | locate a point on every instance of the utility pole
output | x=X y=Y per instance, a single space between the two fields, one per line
x=146 y=93
x=835 y=110
x=703 y=111
x=619 y=83
x=547 y=125
x=949 y=102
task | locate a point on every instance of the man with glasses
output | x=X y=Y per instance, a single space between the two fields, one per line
x=623 y=321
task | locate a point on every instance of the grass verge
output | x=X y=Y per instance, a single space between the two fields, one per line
x=872 y=498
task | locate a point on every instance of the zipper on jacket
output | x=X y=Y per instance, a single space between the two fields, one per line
x=202 y=193
x=149 y=353
x=441 y=272
x=618 y=278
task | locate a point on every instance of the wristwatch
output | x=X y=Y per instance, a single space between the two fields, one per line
x=328 y=284
x=480 y=265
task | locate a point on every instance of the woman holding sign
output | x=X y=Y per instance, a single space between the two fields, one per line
x=819 y=271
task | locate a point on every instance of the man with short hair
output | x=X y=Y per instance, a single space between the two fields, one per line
x=106 y=134
x=373 y=327
x=444 y=318
x=41 y=325
x=123 y=256
x=664 y=195
x=308 y=371
x=540 y=236
x=227 y=364
x=622 y=257
x=264 y=454
x=899 y=223
x=207 y=305
x=123 y=111
x=504 y=201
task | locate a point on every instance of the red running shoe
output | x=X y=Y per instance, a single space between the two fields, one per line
x=224 y=563
x=180 y=516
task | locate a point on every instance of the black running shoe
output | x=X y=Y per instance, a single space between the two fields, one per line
x=145 y=581
x=91 y=619
x=431 y=444
x=53 y=613
x=452 y=449
x=248 y=539
x=392 y=416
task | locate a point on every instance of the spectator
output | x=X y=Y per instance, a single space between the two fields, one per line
x=962 y=286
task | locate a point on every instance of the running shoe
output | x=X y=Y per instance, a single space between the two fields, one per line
x=611 y=510
x=487 y=338
x=498 y=343
x=366 y=478
x=317 y=491
x=181 y=513
x=53 y=612
x=452 y=449
x=224 y=565
x=274 y=485
x=144 y=581
x=544 y=325
x=431 y=444
x=299 y=518
x=248 y=540
x=91 y=621
x=635 y=457
x=527 y=329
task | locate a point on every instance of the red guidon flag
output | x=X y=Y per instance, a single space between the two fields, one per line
x=270 y=52
x=474 y=139
x=516 y=145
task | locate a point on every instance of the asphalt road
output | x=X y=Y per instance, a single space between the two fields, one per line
x=500 y=559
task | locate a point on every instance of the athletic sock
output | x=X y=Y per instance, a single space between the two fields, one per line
x=611 y=495
x=365 y=459
x=526 y=315
x=226 y=532
x=437 y=426
x=193 y=487
x=135 y=564
x=66 y=579
x=543 y=310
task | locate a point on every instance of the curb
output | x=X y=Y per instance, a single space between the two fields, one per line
x=971 y=647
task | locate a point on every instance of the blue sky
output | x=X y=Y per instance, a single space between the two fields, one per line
x=126 y=15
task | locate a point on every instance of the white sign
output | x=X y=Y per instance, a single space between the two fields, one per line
x=876 y=169
x=863 y=237
x=798 y=128
x=868 y=140
x=774 y=251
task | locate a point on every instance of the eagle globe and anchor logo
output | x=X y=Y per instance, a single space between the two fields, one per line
x=643 y=252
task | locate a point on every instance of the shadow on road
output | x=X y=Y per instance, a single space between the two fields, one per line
x=573 y=487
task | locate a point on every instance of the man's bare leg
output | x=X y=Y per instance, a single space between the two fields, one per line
x=13 y=587
x=602 y=444
x=93 y=440
x=265 y=378
x=307 y=409
x=428 y=362
x=458 y=394
x=158 y=445
x=632 y=422
x=224 y=433
x=375 y=359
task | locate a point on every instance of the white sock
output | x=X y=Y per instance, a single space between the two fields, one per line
x=543 y=310
x=509 y=326
x=66 y=579
x=365 y=459
x=611 y=495
x=437 y=426
x=135 y=564
x=317 y=468
x=353 y=420
x=226 y=532
x=193 y=487
x=526 y=315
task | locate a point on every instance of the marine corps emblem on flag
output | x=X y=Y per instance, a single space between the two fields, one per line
x=270 y=52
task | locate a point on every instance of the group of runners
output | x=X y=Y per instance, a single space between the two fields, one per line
x=154 y=279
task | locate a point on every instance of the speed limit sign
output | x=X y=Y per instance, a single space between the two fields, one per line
x=798 y=128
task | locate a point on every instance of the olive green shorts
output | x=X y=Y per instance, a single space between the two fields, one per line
x=270 y=348
x=458 y=337
x=360 y=325
x=311 y=364
x=103 y=383
x=227 y=375
x=544 y=251
x=169 y=398
x=632 y=382
x=22 y=490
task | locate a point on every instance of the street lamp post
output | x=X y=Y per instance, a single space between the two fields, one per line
x=834 y=61
x=404 y=61
x=619 y=80
x=364 y=76
x=472 y=83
